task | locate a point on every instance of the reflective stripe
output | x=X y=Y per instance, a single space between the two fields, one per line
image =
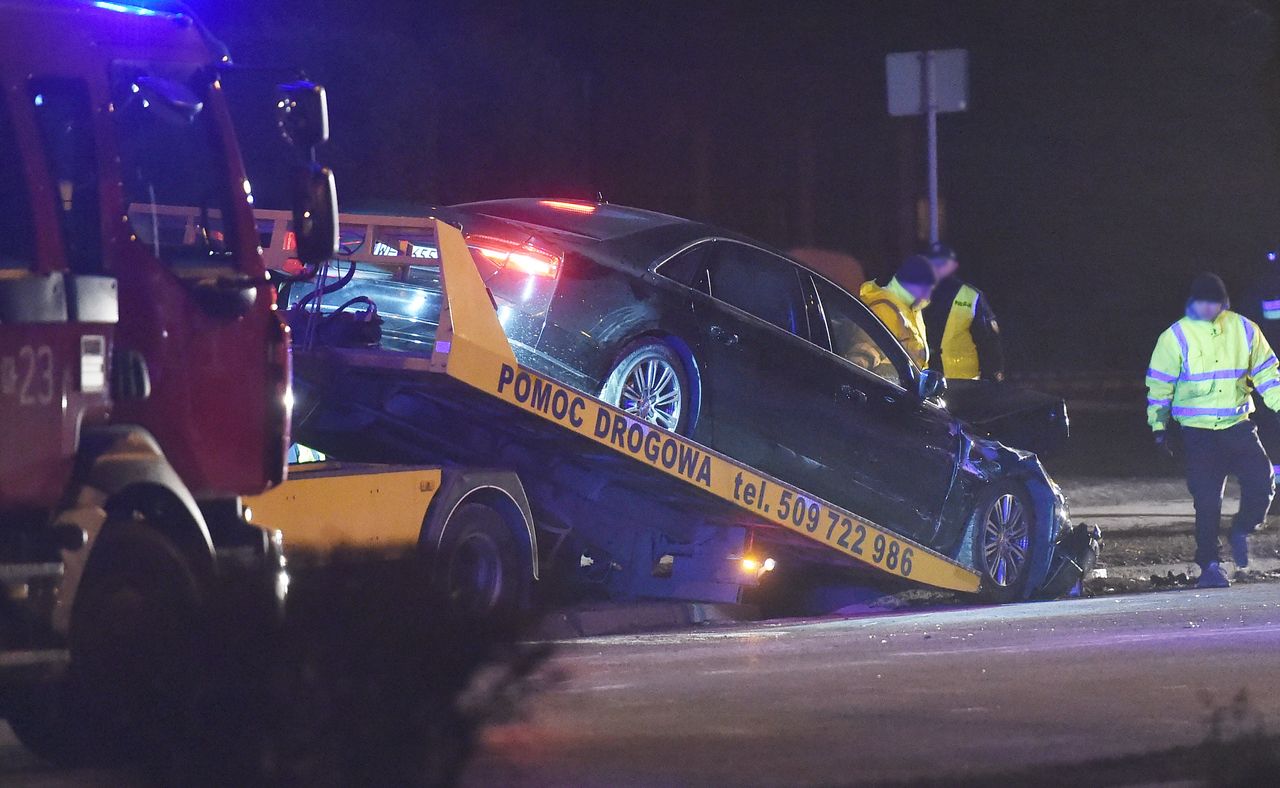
x=1248 y=331
x=1272 y=305
x=1270 y=384
x=1163 y=377
x=1159 y=403
x=1185 y=411
x=1271 y=314
x=1186 y=352
x=1275 y=469
x=1270 y=362
x=1217 y=374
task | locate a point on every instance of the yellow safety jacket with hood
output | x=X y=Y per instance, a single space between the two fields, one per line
x=1203 y=372
x=902 y=314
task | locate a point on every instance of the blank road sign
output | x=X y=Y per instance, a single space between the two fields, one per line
x=905 y=77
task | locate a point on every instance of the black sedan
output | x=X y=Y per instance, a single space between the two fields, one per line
x=709 y=334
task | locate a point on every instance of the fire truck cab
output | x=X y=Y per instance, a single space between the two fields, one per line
x=144 y=371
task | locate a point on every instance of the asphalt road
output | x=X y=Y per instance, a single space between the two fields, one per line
x=940 y=695
x=943 y=695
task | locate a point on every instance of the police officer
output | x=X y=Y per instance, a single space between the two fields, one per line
x=900 y=304
x=964 y=337
x=1202 y=373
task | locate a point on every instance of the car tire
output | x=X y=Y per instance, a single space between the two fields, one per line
x=650 y=382
x=1005 y=541
x=479 y=569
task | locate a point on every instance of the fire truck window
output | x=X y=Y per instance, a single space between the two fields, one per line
x=17 y=232
x=64 y=115
x=174 y=175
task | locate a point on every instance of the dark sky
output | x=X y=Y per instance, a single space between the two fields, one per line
x=1111 y=150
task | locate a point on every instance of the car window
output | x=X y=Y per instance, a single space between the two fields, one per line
x=759 y=283
x=64 y=115
x=17 y=230
x=689 y=267
x=857 y=337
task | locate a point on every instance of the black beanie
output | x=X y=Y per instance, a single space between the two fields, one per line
x=917 y=270
x=1209 y=287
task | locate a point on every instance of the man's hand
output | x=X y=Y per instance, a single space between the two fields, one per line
x=1163 y=447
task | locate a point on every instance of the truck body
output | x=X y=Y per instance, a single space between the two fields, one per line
x=144 y=370
x=637 y=511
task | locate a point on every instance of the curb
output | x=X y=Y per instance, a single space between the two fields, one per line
x=638 y=617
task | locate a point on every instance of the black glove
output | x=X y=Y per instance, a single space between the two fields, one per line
x=1163 y=447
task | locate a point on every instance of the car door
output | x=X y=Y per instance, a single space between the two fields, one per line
x=754 y=334
x=900 y=450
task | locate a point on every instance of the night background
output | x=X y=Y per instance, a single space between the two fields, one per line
x=1110 y=151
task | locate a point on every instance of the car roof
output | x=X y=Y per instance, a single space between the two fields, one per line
x=597 y=221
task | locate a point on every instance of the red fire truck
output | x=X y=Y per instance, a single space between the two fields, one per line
x=144 y=371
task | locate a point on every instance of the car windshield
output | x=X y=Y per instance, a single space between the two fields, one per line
x=172 y=163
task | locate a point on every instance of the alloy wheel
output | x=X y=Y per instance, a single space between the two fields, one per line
x=651 y=391
x=1006 y=540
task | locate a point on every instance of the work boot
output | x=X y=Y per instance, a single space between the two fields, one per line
x=1239 y=548
x=1213 y=576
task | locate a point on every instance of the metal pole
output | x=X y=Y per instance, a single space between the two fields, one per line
x=931 y=122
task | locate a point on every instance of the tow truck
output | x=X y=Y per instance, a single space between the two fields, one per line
x=144 y=368
x=514 y=476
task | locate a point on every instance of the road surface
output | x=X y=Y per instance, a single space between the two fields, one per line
x=958 y=693
x=947 y=695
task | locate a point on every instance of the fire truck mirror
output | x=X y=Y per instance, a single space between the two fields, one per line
x=315 y=215
x=302 y=114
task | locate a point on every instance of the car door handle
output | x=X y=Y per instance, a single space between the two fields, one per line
x=724 y=336
x=855 y=395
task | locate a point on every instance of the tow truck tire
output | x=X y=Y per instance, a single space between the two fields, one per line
x=134 y=641
x=652 y=368
x=480 y=570
x=1005 y=540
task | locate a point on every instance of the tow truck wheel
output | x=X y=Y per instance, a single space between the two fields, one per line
x=650 y=383
x=1004 y=541
x=480 y=569
x=134 y=635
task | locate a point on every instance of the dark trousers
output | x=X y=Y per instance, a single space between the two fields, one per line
x=1212 y=456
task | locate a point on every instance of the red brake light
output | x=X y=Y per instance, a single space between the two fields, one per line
x=565 y=205
x=526 y=259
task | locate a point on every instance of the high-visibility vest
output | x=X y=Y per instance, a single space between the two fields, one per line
x=901 y=314
x=959 y=353
x=1203 y=372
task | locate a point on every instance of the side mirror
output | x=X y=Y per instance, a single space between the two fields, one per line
x=932 y=384
x=302 y=114
x=315 y=215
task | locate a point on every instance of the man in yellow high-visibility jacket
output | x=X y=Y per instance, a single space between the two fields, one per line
x=1202 y=373
x=900 y=305
x=964 y=337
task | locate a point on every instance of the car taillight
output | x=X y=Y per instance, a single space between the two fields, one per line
x=565 y=205
x=524 y=258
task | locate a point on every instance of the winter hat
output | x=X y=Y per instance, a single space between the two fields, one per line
x=916 y=270
x=1208 y=287
x=941 y=252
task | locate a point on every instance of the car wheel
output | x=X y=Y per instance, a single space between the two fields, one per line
x=650 y=383
x=480 y=569
x=1004 y=542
